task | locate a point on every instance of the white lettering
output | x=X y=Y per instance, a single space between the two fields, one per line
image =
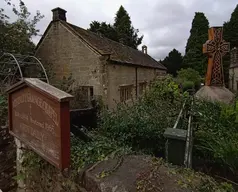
x=29 y=98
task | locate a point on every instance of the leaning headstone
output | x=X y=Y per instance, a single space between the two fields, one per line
x=214 y=89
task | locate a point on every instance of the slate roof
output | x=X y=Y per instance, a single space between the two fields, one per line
x=118 y=52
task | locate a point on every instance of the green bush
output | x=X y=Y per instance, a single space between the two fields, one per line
x=141 y=126
x=185 y=75
x=188 y=85
x=216 y=137
x=100 y=148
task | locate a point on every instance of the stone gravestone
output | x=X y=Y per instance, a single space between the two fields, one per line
x=39 y=118
x=214 y=88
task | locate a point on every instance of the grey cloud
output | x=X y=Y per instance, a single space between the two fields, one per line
x=168 y=24
x=165 y=24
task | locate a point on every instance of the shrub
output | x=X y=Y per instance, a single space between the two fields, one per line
x=216 y=137
x=100 y=148
x=188 y=85
x=191 y=75
x=141 y=126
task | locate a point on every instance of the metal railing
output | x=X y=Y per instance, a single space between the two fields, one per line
x=184 y=133
x=189 y=141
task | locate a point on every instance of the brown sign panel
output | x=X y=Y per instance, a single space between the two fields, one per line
x=39 y=117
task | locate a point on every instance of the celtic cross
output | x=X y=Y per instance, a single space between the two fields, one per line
x=216 y=48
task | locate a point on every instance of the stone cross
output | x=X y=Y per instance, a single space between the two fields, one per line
x=216 y=48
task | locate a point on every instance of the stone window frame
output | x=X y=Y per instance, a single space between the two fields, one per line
x=142 y=87
x=126 y=92
x=83 y=96
x=90 y=91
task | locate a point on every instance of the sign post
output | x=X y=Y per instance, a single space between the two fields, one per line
x=39 y=117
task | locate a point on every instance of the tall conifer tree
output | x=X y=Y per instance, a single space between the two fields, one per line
x=173 y=62
x=230 y=34
x=194 y=57
x=126 y=32
x=121 y=31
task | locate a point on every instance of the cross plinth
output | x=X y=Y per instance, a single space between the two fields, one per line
x=215 y=48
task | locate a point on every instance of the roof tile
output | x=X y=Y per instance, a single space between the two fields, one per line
x=118 y=52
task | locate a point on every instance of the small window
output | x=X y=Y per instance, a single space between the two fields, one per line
x=160 y=73
x=83 y=96
x=87 y=93
x=142 y=88
x=126 y=92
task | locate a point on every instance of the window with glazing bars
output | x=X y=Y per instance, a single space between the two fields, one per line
x=126 y=92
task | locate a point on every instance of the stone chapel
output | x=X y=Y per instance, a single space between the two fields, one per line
x=104 y=68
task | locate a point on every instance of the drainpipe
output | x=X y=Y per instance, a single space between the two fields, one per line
x=232 y=80
x=136 y=83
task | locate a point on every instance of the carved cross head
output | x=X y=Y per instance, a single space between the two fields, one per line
x=215 y=48
x=215 y=43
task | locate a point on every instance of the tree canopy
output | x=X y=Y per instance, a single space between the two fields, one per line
x=194 y=57
x=231 y=28
x=17 y=36
x=105 y=29
x=173 y=62
x=230 y=34
x=121 y=31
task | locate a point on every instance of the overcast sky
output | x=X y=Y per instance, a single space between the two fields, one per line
x=165 y=24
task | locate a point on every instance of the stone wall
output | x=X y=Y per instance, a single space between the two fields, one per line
x=7 y=161
x=233 y=71
x=122 y=75
x=233 y=78
x=64 y=53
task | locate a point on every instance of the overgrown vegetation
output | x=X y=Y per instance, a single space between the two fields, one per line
x=216 y=137
x=189 y=79
x=141 y=125
x=139 y=128
x=99 y=149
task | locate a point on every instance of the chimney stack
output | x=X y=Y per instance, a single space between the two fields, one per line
x=144 y=49
x=59 y=14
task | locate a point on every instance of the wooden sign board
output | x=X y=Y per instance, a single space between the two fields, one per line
x=39 y=117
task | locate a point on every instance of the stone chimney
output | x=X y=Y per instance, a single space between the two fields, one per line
x=144 y=49
x=59 y=14
x=234 y=57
